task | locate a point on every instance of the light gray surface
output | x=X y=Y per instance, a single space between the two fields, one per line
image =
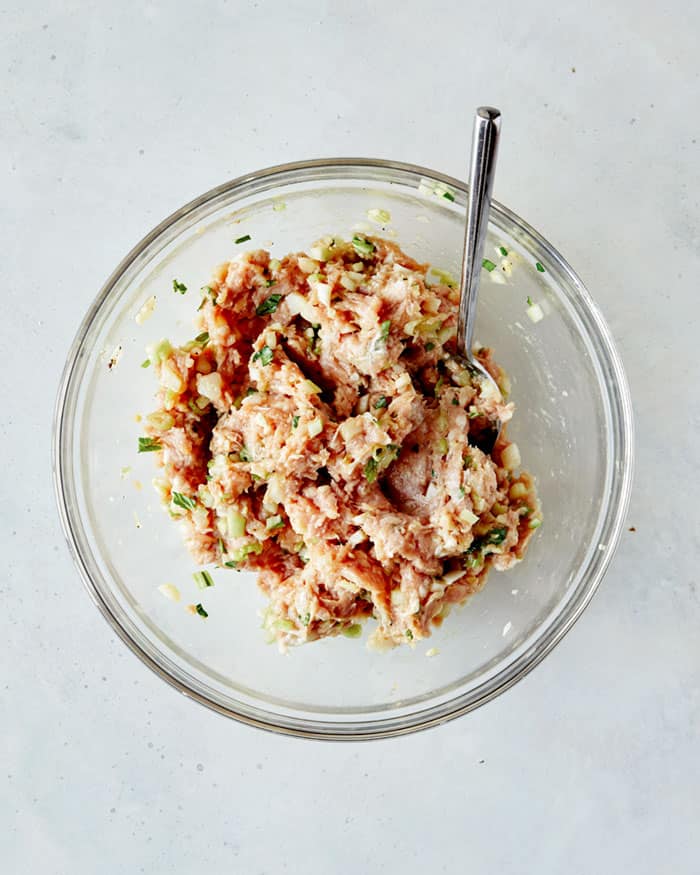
x=109 y=121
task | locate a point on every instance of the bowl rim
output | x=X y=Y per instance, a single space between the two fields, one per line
x=382 y=727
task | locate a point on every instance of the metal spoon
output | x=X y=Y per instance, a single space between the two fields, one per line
x=487 y=124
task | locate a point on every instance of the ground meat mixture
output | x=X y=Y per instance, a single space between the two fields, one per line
x=317 y=431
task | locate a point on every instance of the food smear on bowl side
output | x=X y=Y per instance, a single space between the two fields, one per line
x=317 y=431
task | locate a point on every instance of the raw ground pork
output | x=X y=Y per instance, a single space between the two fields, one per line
x=317 y=431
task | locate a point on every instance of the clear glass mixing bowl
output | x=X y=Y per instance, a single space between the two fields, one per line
x=573 y=424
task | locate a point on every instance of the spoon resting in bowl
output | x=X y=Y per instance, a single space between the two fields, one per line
x=487 y=123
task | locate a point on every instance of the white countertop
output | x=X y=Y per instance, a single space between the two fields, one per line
x=110 y=121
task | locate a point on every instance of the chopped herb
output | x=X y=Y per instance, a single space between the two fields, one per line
x=409 y=634
x=462 y=491
x=438 y=385
x=250 y=391
x=244 y=455
x=208 y=292
x=149 y=445
x=371 y=470
x=274 y=522
x=354 y=630
x=529 y=301
x=305 y=620
x=497 y=536
x=184 y=501
x=473 y=413
x=384 y=330
x=200 y=610
x=269 y=283
x=535 y=524
x=179 y=287
x=455 y=402
x=429 y=346
x=488 y=265
x=315 y=337
x=269 y=305
x=364 y=248
x=382 y=401
x=539 y=267
x=264 y=354
x=203 y=579
x=448 y=195
x=202 y=338
x=146 y=363
x=295 y=420
x=231 y=564
x=503 y=250
x=244 y=239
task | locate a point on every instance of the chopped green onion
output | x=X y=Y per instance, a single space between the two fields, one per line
x=305 y=620
x=382 y=401
x=354 y=630
x=208 y=292
x=149 y=445
x=364 y=248
x=409 y=634
x=488 y=265
x=315 y=427
x=455 y=402
x=429 y=346
x=146 y=363
x=235 y=524
x=539 y=267
x=371 y=470
x=274 y=522
x=200 y=610
x=244 y=551
x=203 y=579
x=443 y=446
x=264 y=354
x=295 y=420
x=448 y=195
x=503 y=250
x=496 y=536
x=535 y=524
x=184 y=501
x=202 y=338
x=381 y=217
x=269 y=305
x=529 y=301
x=384 y=329
x=244 y=239
x=231 y=564
x=244 y=455
x=179 y=287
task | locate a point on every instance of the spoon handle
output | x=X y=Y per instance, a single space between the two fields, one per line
x=487 y=126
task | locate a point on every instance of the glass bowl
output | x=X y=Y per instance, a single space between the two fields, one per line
x=573 y=424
